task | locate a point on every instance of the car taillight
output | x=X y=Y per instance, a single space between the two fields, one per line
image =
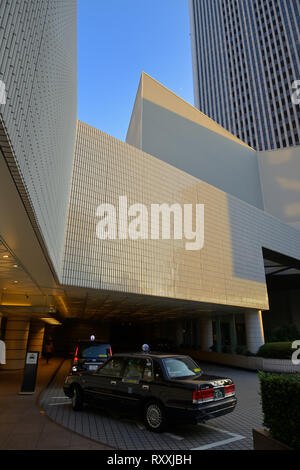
x=203 y=395
x=75 y=355
x=229 y=389
x=110 y=351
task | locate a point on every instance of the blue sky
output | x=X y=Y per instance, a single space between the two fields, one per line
x=117 y=40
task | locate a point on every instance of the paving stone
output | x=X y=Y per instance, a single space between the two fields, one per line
x=23 y=426
x=123 y=433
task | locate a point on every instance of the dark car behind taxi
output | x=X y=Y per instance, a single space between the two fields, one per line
x=90 y=354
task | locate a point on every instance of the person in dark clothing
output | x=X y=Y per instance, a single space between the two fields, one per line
x=48 y=350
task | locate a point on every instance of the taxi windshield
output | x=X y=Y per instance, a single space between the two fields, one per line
x=181 y=367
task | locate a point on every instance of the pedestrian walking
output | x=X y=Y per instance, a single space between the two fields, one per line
x=48 y=350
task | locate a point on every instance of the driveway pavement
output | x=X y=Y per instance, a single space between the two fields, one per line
x=22 y=424
x=230 y=432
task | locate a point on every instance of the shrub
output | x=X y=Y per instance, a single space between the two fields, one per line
x=243 y=351
x=285 y=333
x=280 y=398
x=280 y=350
x=226 y=349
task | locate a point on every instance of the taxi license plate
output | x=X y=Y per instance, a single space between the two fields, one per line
x=93 y=367
x=219 y=393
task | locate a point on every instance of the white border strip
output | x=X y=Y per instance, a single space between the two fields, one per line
x=65 y=398
x=174 y=436
x=235 y=437
x=59 y=404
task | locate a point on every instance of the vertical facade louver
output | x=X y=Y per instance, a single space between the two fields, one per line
x=38 y=67
x=245 y=60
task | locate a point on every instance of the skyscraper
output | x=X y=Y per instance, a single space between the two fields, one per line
x=245 y=61
x=38 y=66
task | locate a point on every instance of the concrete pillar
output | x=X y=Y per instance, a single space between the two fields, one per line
x=254 y=330
x=0 y=326
x=36 y=336
x=219 y=335
x=179 y=333
x=191 y=332
x=198 y=333
x=233 y=341
x=206 y=333
x=16 y=337
x=1 y=316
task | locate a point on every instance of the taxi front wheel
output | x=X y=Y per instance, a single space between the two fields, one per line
x=154 y=416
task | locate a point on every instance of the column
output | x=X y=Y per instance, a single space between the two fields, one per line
x=232 y=334
x=254 y=330
x=219 y=335
x=1 y=316
x=16 y=337
x=36 y=336
x=179 y=333
x=206 y=333
x=198 y=333
x=192 y=333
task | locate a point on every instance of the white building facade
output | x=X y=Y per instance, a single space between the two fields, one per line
x=56 y=171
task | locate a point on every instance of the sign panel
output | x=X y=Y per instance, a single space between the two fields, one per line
x=32 y=358
x=30 y=371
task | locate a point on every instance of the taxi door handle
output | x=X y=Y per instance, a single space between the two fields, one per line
x=113 y=382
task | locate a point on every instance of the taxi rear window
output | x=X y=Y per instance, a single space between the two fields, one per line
x=179 y=367
x=94 y=350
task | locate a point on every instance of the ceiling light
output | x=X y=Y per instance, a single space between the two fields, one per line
x=51 y=321
x=13 y=304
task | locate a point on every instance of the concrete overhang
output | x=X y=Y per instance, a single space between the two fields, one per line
x=28 y=283
x=92 y=304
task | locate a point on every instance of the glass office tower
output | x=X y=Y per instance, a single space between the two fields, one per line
x=245 y=61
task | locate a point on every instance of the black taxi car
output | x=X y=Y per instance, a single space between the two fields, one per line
x=163 y=387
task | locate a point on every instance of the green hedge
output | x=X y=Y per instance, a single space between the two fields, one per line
x=281 y=350
x=287 y=332
x=280 y=396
